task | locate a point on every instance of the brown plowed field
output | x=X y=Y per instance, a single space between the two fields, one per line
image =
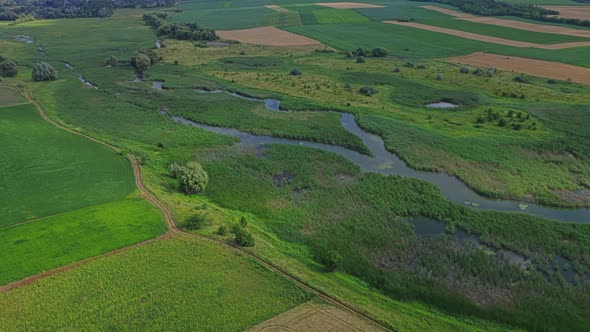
x=347 y=5
x=579 y=12
x=268 y=36
x=541 y=68
x=514 y=24
x=489 y=39
x=315 y=317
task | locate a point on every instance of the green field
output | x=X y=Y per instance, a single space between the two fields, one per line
x=50 y=169
x=173 y=284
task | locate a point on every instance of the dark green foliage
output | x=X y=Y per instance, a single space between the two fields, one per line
x=111 y=61
x=368 y=90
x=491 y=72
x=421 y=66
x=249 y=62
x=295 y=72
x=332 y=260
x=43 y=71
x=152 y=54
x=243 y=222
x=521 y=79
x=8 y=68
x=409 y=65
x=196 y=221
x=360 y=59
x=222 y=230
x=439 y=77
x=174 y=170
x=379 y=52
x=243 y=238
x=361 y=52
x=141 y=63
x=396 y=70
x=464 y=70
x=185 y=31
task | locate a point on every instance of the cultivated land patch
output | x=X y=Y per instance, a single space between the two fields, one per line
x=348 y=5
x=176 y=284
x=268 y=36
x=533 y=67
x=579 y=12
x=490 y=39
x=312 y=316
x=513 y=23
x=277 y=8
x=9 y=97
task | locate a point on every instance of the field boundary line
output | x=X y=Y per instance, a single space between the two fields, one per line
x=174 y=230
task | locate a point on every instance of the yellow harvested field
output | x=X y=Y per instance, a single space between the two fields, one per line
x=514 y=24
x=315 y=317
x=268 y=36
x=489 y=39
x=579 y=12
x=449 y=12
x=276 y=8
x=541 y=68
x=348 y=5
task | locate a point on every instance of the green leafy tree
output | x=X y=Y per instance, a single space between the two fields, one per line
x=379 y=52
x=8 y=68
x=332 y=260
x=196 y=221
x=243 y=222
x=244 y=238
x=174 y=170
x=43 y=71
x=141 y=63
x=360 y=59
x=193 y=178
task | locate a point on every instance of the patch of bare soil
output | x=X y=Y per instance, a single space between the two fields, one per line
x=268 y=36
x=316 y=317
x=544 y=28
x=347 y=5
x=579 y=12
x=490 y=39
x=542 y=68
x=277 y=8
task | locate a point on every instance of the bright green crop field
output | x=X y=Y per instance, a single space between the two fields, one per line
x=175 y=284
x=50 y=171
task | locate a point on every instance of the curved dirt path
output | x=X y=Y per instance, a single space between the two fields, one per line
x=174 y=230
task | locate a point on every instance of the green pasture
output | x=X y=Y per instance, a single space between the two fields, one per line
x=327 y=16
x=38 y=246
x=175 y=284
x=48 y=170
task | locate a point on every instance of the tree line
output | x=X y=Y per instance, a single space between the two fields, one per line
x=186 y=31
x=502 y=8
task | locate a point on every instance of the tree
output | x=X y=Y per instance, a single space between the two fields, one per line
x=111 y=61
x=332 y=260
x=44 y=72
x=8 y=68
x=439 y=77
x=464 y=70
x=141 y=63
x=295 y=72
x=174 y=170
x=243 y=238
x=360 y=59
x=368 y=90
x=196 y=221
x=222 y=230
x=243 y=222
x=360 y=52
x=379 y=52
x=193 y=178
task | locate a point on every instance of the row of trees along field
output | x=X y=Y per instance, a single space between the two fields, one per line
x=187 y=31
x=12 y=10
x=502 y=8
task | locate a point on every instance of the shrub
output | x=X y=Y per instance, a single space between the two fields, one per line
x=409 y=65
x=552 y=81
x=349 y=54
x=360 y=52
x=295 y=72
x=192 y=178
x=368 y=90
x=396 y=70
x=111 y=61
x=222 y=230
x=243 y=222
x=140 y=63
x=174 y=170
x=332 y=260
x=196 y=221
x=491 y=72
x=439 y=77
x=421 y=67
x=464 y=70
x=44 y=72
x=379 y=52
x=243 y=238
x=8 y=68
x=521 y=79
x=478 y=72
x=360 y=59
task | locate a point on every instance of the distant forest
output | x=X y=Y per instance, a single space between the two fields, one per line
x=502 y=8
x=13 y=10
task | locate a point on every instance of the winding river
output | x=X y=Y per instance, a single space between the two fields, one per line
x=387 y=163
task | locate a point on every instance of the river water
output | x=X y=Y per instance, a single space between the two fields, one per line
x=384 y=162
